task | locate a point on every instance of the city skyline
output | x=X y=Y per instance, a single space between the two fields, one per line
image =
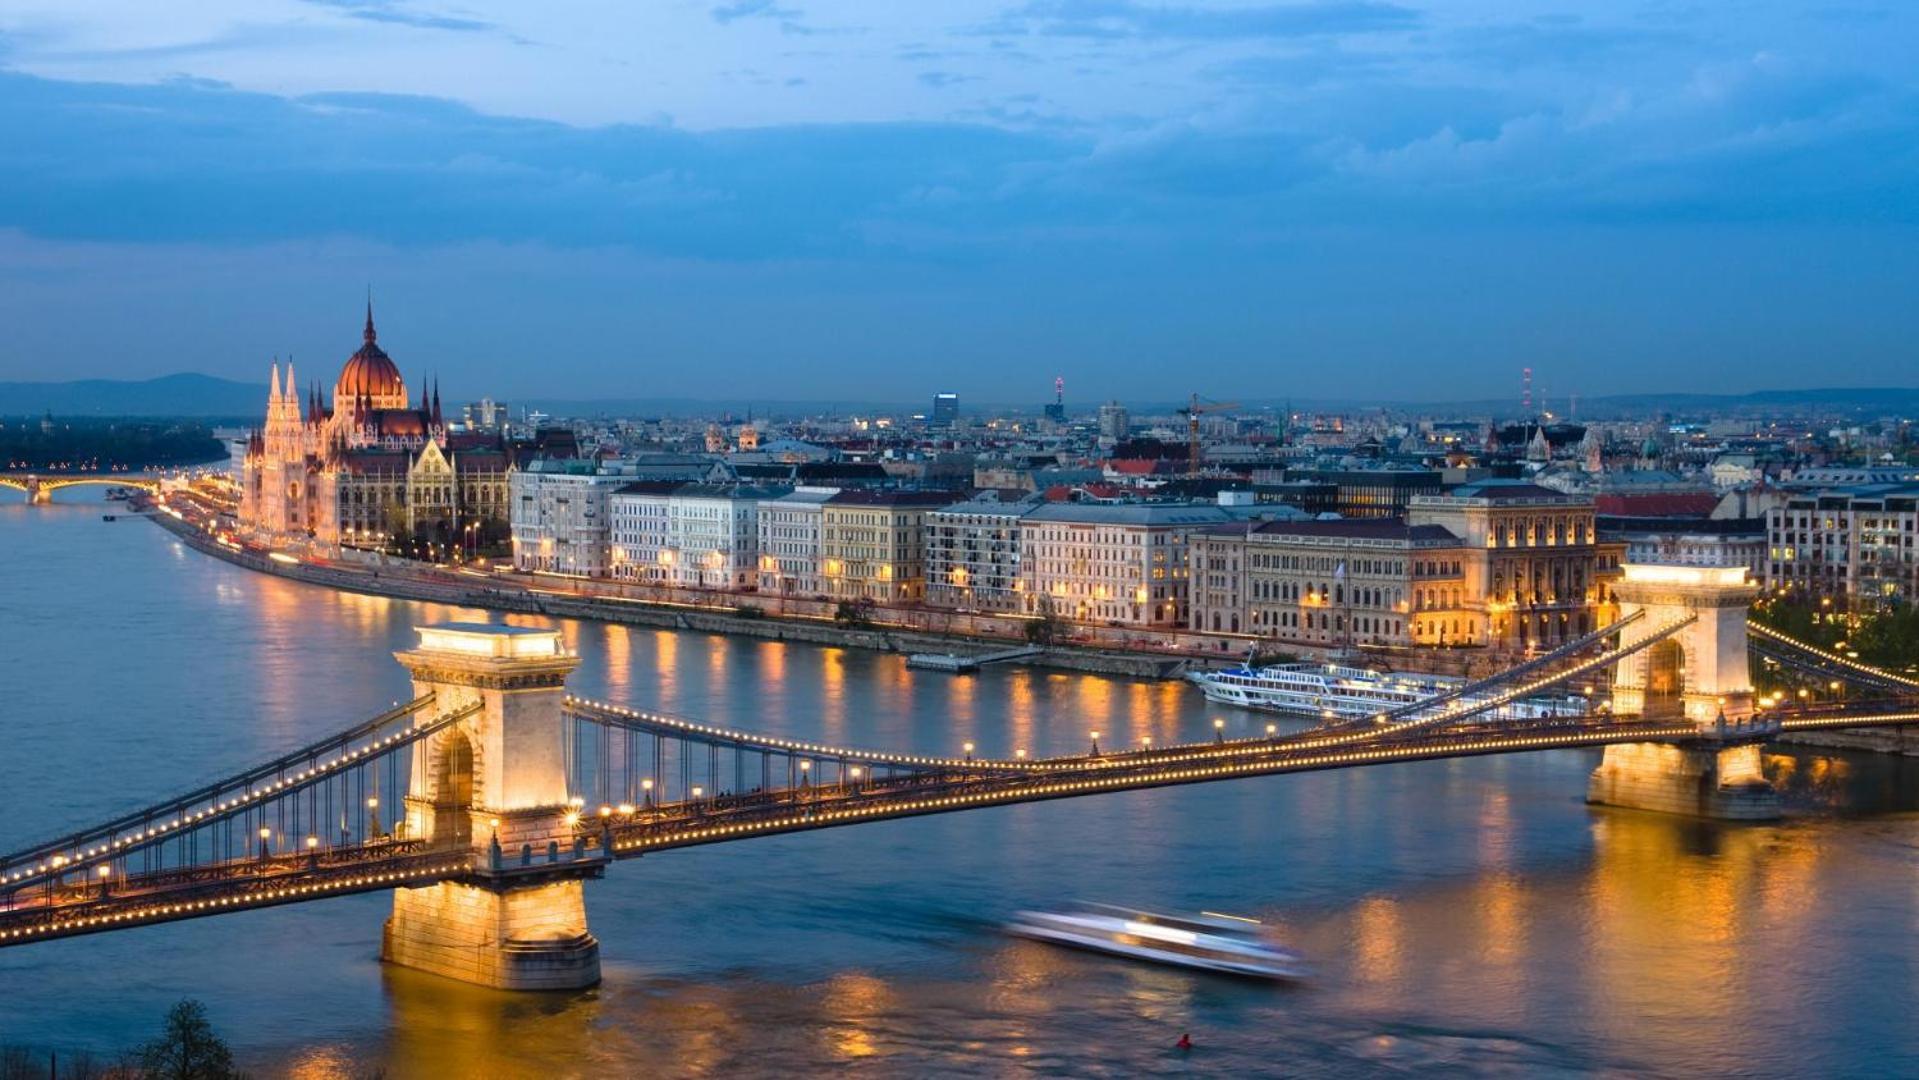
x=841 y=202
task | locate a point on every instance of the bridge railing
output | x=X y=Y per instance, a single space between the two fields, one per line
x=632 y=831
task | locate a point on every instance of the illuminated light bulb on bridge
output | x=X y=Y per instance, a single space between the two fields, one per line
x=607 y=811
x=698 y=792
x=105 y=871
x=1272 y=729
x=625 y=808
x=572 y=817
x=647 y=784
x=265 y=833
x=312 y=842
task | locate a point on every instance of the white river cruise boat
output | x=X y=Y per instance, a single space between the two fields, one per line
x=1331 y=691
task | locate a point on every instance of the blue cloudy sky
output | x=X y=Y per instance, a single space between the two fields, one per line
x=801 y=199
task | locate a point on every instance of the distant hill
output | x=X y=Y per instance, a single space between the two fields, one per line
x=185 y=394
x=191 y=394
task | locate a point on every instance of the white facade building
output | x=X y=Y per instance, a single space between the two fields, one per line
x=1111 y=564
x=789 y=541
x=691 y=535
x=559 y=517
x=639 y=531
x=712 y=536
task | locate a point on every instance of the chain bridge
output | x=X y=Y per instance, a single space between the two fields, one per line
x=486 y=801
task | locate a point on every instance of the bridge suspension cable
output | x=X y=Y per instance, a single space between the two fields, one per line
x=222 y=800
x=1772 y=643
x=1471 y=689
x=317 y=816
x=677 y=727
x=1499 y=692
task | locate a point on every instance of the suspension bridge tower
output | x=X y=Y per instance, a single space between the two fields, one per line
x=495 y=784
x=1697 y=674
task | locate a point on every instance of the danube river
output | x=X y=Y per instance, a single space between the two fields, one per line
x=1468 y=916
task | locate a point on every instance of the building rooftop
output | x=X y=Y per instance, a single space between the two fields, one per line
x=1345 y=529
x=861 y=497
x=1149 y=514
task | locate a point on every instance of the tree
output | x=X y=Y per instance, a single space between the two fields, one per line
x=1045 y=629
x=854 y=614
x=187 y=1048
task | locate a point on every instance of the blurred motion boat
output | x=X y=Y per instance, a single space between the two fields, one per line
x=1208 y=941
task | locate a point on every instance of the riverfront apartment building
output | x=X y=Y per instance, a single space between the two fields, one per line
x=1123 y=564
x=873 y=544
x=1335 y=583
x=692 y=535
x=789 y=541
x=560 y=521
x=972 y=555
x=1848 y=542
x=1540 y=575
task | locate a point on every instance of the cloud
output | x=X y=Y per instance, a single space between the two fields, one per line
x=753 y=9
x=939 y=80
x=1116 y=19
x=399 y=14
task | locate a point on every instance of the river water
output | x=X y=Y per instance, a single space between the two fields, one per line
x=1467 y=917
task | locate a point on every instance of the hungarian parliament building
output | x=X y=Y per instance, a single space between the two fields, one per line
x=373 y=467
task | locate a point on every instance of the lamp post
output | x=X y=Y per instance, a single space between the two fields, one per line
x=1095 y=736
x=266 y=835
x=1219 y=730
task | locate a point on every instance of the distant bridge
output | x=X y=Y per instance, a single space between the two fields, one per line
x=39 y=487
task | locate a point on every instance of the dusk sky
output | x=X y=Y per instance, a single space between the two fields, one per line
x=793 y=199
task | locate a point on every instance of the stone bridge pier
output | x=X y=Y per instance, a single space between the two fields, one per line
x=1699 y=674
x=495 y=783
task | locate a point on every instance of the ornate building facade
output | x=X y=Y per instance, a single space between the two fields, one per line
x=371 y=468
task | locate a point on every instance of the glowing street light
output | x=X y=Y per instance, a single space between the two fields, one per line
x=1219 y=730
x=1095 y=736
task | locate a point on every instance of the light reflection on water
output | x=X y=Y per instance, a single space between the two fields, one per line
x=1468 y=915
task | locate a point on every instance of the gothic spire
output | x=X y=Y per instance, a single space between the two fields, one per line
x=275 y=392
x=369 y=335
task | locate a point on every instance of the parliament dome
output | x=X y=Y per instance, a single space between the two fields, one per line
x=372 y=373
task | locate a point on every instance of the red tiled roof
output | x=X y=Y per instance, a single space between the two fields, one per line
x=1657 y=504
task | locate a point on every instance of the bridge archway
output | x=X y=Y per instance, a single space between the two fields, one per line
x=453 y=790
x=1702 y=666
x=1665 y=677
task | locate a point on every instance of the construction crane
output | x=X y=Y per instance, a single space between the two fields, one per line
x=1192 y=412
